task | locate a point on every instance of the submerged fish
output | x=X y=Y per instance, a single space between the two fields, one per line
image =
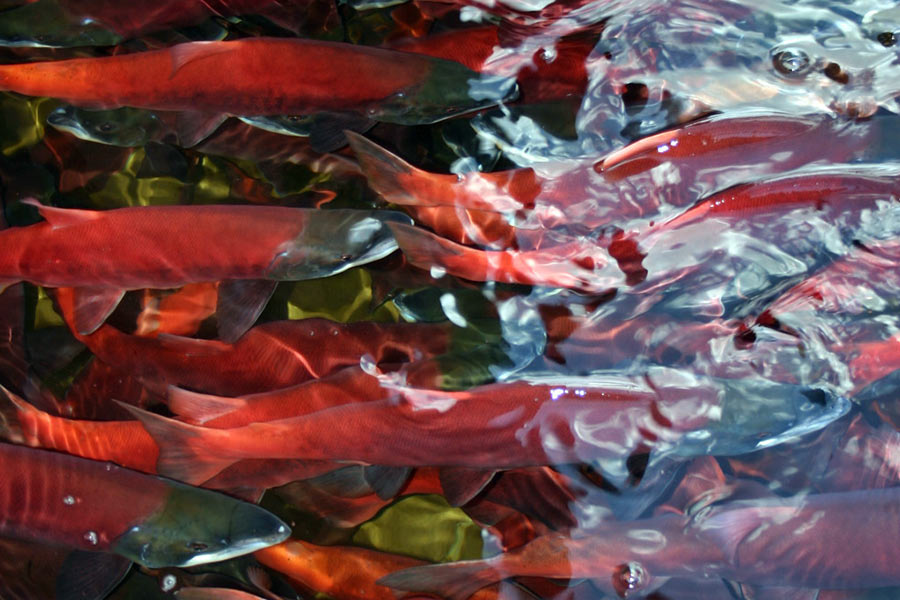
x=104 y=253
x=100 y=507
x=766 y=542
x=238 y=78
x=601 y=419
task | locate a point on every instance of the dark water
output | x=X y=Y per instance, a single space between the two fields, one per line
x=650 y=304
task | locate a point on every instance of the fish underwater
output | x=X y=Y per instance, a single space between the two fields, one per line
x=640 y=339
x=226 y=78
x=288 y=244
x=758 y=542
x=154 y=522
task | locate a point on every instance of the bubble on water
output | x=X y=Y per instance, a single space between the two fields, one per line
x=792 y=62
x=91 y=537
x=628 y=578
x=167 y=584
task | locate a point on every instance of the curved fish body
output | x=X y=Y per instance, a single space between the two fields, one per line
x=97 y=506
x=599 y=419
x=238 y=78
x=769 y=542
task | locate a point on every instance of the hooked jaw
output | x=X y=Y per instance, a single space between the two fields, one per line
x=196 y=526
x=335 y=241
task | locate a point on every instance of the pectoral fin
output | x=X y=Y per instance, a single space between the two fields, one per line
x=93 y=306
x=387 y=482
x=192 y=127
x=240 y=303
x=461 y=484
x=86 y=575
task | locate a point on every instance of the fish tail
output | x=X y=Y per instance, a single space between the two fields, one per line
x=186 y=452
x=426 y=250
x=196 y=408
x=385 y=170
x=454 y=581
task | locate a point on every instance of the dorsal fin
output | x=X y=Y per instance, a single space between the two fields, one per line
x=184 y=54
x=62 y=217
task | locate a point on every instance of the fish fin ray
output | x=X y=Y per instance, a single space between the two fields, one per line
x=461 y=484
x=90 y=575
x=454 y=581
x=184 y=54
x=239 y=304
x=192 y=127
x=327 y=131
x=62 y=217
x=386 y=482
x=196 y=408
x=424 y=249
x=93 y=306
x=383 y=170
x=182 y=454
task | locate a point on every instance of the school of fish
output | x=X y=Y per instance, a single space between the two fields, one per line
x=488 y=299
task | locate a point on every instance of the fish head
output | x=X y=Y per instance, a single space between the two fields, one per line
x=450 y=89
x=755 y=414
x=333 y=241
x=196 y=526
x=126 y=127
x=48 y=25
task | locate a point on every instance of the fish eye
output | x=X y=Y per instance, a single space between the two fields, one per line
x=886 y=39
x=198 y=546
x=791 y=62
x=834 y=72
x=628 y=578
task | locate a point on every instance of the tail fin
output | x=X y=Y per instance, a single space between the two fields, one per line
x=185 y=451
x=196 y=408
x=426 y=250
x=386 y=171
x=454 y=581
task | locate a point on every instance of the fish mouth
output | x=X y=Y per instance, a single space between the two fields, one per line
x=244 y=547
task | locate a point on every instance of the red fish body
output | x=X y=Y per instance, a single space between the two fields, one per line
x=581 y=265
x=96 y=506
x=166 y=246
x=238 y=77
x=547 y=74
x=504 y=425
x=104 y=253
x=344 y=387
x=271 y=356
x=759 y=542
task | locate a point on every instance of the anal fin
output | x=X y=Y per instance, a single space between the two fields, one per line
x=88 y=575
x=239 y=304
x=93 y=306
